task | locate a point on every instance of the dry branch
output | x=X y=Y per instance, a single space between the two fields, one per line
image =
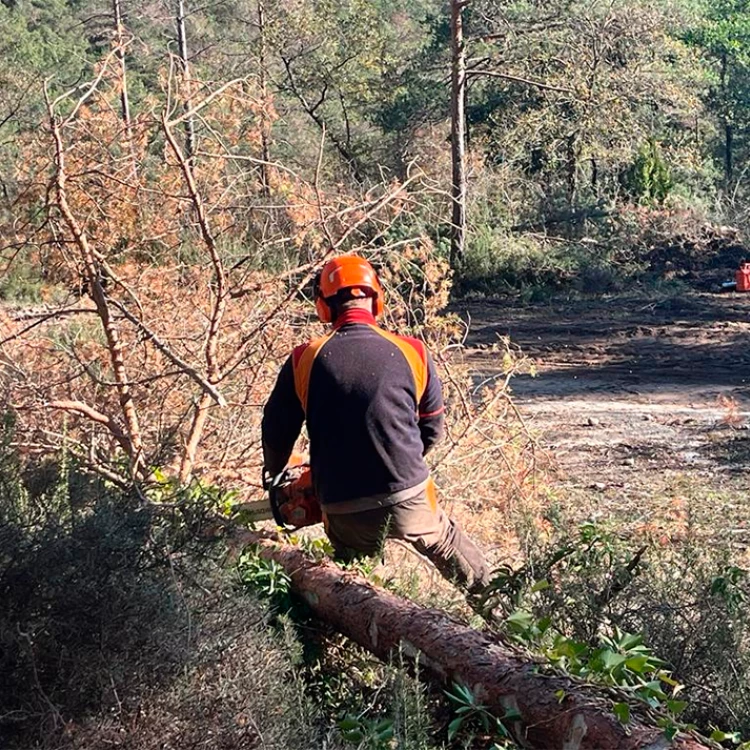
x=200 y=415
x=78 y=407
x=501 y=679
x=93 y=277
x=185 y=368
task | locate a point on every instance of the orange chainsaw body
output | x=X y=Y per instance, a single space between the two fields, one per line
x=293 y=499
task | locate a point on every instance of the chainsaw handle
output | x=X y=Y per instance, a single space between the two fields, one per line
x=273 y=480
x=270 y=484
x=277 y=517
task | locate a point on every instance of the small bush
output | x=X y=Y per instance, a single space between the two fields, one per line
x=21 y=282
x=116 y=628
x=686 y=602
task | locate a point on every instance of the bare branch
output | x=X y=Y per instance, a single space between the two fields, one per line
x=44 y=319
x=518 y=79
x=204 y=102
x=191 y=372
x=211 y=347
x=79 y=407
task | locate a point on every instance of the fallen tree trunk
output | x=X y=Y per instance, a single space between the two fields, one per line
x=384 y=624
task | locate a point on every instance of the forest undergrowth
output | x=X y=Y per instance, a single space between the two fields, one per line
x=170 y=269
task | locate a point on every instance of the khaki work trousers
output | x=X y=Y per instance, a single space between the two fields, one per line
x=419 y=521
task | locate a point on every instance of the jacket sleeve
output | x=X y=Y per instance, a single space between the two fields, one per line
x=282 y=421
x=431 y=408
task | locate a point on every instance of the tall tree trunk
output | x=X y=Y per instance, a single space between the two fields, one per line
x=572 y=169
x=124 y=97
x=183 y=50
x=265 y=122
x=124 y=101
x=728 y=151
x=458 y=132
x=728 y=130
x=555 y=712
x=594 y=176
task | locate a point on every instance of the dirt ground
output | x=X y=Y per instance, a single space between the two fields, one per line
x=640 y=403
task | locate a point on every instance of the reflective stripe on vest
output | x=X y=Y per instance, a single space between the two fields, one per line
x=417 y=362
x=303 y=368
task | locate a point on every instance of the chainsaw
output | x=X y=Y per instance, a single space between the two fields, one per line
x=291 y=500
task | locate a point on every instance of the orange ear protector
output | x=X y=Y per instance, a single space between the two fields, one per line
x=323 y=309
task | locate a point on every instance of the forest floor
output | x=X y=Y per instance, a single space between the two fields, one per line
x=642 y=405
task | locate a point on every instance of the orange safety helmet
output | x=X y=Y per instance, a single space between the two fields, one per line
x=347 y=272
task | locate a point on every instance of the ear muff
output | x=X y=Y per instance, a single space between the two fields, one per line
x=377 y=304
x=323 y=309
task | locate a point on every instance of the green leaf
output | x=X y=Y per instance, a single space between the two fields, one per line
x=676 y=707
x=611 y=660
x=568 y=647
x=666 y=678
x=461 y=694
x=630 y=641
x=719 y=736
x=541 y=585
x=512 y=714
x=454 y=727
x=670 y=731
x=560 y=695
x=639 y=664
x=622 y=712
x=520 y=620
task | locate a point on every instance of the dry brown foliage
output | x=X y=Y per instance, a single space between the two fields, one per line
x=178 y=285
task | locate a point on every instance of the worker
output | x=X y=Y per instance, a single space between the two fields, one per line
x=373 y=405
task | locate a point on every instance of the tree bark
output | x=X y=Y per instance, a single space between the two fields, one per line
x=458 y=133
x=572 y=169
x=119 y=40
x=124 y=95
x=500 y=679
x=728 y=131
x=92 y=272
x=728 y=151
x=182 y=46
x=265 y=128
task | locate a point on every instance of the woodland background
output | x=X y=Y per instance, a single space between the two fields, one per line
x=172 y=176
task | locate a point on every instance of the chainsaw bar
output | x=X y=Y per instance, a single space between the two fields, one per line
x=260 y=510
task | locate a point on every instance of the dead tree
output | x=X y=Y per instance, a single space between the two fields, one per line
x=458 y=133
x=129 y=438
x=500 y=678
x=120 y=46
x=185 y=63
x=263 y=81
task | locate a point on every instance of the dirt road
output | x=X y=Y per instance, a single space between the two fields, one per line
x=635 y=399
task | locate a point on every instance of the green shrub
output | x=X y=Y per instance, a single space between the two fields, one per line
x=118 y=627
x=21 y=282
x=591 y=588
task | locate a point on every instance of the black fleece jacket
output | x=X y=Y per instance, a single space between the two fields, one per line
x=373 y=405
